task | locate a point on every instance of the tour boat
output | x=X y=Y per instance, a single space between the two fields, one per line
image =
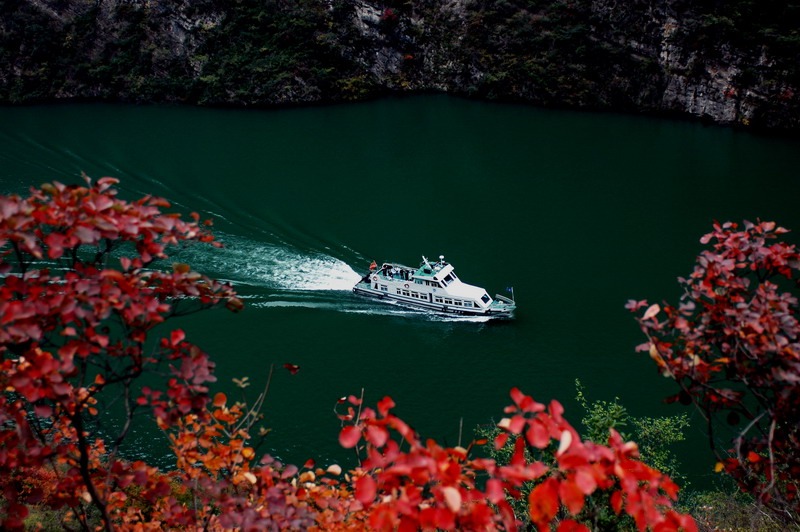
x=432 y=286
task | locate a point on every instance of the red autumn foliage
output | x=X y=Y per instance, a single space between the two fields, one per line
x=71 y=326
x=80 y=296
x=733 y=347
x=431 y=487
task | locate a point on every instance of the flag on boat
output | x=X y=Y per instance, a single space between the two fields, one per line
x=510 y=289
x=373 y=266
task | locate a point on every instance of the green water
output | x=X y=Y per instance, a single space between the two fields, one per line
x=578 y=212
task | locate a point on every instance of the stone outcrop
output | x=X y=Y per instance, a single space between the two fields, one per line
x=697 y=59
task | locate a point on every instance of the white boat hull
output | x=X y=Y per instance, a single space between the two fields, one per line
x=402 y=285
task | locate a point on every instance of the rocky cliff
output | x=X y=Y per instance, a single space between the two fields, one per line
x=732 y=62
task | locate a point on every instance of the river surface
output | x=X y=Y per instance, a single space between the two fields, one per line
x=577 y=211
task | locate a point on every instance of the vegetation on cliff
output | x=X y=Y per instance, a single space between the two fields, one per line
x=730 y=62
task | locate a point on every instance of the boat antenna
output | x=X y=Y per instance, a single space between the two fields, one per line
x=428 y=264
x=441 y=259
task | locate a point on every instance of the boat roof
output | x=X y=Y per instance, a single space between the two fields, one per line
x=461 y=289
x=436 y=271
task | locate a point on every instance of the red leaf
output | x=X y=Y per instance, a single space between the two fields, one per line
x=365 y=490
x=219 y=400
x=452 y=498
x=543 y=502
x=349 y=436
x=355 y=401
x=176 y=337
x=651 y=311
x=585 y=481
x=571 y=496
x=444 y=519
x=384 y=405
x=516 y=395
x=517 y=424
x=634 y=305
x=55 y=243
x=537 y=434
x=519 y=452
x=494 y=490
x=616 y=501
x=376 y=435
x=500 y=440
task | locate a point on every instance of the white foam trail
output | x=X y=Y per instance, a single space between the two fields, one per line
x=245 y=261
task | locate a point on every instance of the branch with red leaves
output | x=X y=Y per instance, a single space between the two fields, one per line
x=72 y=324
x=733 y=347
x=432 y=487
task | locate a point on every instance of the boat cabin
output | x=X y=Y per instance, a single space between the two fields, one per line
x=434 y=286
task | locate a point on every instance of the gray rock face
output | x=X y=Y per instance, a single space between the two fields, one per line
x=632 y=55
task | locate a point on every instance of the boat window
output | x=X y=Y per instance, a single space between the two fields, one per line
x=398 y=291
x=384 y=288
x=376 y=286
x=450 y=278
x=437 y=299
x=405 y=292
x=486 y=298
x=448 y=301
x=457 y=303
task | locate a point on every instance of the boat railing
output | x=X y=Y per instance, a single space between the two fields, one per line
x=503 y=299
x=398 y=275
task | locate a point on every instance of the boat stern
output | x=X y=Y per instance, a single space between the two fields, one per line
x=502 y=307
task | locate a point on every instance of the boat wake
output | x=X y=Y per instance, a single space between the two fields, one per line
x=246 y=262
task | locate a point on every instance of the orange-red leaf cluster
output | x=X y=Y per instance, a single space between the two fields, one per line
x=733 y=347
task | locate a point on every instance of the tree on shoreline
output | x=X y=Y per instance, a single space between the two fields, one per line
x=81 y=295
